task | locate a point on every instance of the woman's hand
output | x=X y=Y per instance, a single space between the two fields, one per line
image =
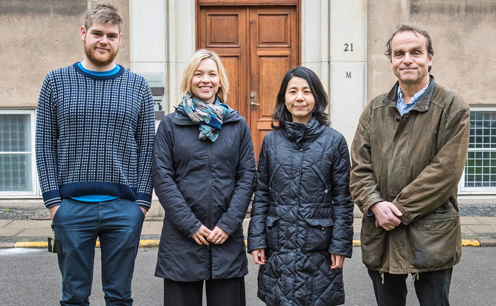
x=201 y=234
x=259 y=256
x=218 y=236
x=337 y=261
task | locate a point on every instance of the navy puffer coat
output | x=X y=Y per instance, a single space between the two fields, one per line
x=302 y=214
x=202 y=182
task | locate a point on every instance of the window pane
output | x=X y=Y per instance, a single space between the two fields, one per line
x=15 y=133
x=480 y=168
x=15 y=172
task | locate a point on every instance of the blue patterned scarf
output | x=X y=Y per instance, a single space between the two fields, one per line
x=208 y=115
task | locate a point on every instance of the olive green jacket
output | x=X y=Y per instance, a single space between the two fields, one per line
x=414 y=161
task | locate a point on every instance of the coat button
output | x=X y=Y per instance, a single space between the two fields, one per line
x=397 y=119
x=323 y=228
x=325 y=191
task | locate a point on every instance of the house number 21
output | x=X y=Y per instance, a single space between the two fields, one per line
x=348 y=47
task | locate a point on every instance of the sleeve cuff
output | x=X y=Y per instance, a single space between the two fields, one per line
x=194 y=229
x=255 y=243
x=374 y=198
x=405 y=218
x=227 y=225
x=52 y=198
x=144 y=200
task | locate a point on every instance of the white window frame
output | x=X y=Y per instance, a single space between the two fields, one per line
x=35 y=193
x=462 y=190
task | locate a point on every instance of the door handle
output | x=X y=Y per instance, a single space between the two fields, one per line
x=253 y=101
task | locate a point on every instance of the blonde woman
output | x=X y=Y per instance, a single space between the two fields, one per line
x=203 y=170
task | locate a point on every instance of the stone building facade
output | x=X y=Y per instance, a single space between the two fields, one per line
x=341 y=40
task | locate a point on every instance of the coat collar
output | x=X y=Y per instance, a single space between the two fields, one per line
x=422 y=104
x=300 y=132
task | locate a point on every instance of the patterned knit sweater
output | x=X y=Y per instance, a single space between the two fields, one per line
x=94 y=135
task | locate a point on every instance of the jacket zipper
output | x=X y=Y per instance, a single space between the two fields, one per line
x=209 y=213
x=209 y=216
x=298 y=208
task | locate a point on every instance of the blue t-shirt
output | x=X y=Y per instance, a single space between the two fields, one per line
x=100 y=73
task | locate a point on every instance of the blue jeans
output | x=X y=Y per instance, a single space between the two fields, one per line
x=118 y=224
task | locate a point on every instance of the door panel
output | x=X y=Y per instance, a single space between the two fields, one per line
x=272 y=69
x=232 y=64
x=274 y=49
x=273 y=30
x=224 y=30
x=257 y=44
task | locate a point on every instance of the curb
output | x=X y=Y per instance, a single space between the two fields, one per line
x=465 y=243
x=44 y=245
x=155 y=244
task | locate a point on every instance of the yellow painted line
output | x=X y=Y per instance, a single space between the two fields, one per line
x=31 y=245
x=148 y=243
x=155 y=243
x=142 y=244
x=470 y=242
x=465 y=243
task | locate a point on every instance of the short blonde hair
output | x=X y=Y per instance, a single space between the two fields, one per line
x=193 y=64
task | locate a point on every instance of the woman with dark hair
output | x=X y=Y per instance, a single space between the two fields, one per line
x=282 y=112
x=203 y=170
x=301 y=221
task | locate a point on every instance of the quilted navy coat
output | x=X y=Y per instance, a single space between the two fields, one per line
x=302 y=213
x=202 y=182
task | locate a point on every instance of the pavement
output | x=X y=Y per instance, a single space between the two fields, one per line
x=478 y=229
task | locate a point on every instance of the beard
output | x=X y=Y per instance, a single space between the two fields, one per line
x=98 y=59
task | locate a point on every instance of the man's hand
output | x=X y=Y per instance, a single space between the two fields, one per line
x=337 y=261
x=386 y=215
x=143 y=210
x=218 y=236
x=259 y=256
x=201 y=234
x=53 y=210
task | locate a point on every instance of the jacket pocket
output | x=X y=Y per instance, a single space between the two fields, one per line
x=434 y=227
x=272 y=232
x=374 y=244
x=319 y=232
x=327 y=192
x=272 y=193
x=435 y=243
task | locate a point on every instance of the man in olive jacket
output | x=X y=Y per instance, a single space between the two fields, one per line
x=407 y=157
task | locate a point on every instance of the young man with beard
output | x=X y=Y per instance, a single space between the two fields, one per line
x=94 y=140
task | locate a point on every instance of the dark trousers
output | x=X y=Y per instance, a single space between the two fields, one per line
x=220 y=292
x=432 y=288
x=118 y=224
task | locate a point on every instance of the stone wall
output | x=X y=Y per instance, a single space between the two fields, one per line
x=463 y=34
x=37 y=36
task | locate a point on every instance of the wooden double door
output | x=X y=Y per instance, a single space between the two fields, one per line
x=258 y=44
